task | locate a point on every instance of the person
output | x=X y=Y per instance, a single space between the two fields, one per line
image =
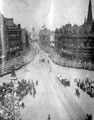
x=49 y=118
x=36 y=82
x=48 y=61
x=23 y=105
x=50 y=69
x=34 y=91
x=77 y=92
x=30 y=88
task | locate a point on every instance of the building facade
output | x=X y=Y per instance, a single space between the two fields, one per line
x=77 y=42
x=44 y=36
x=14 y=38
x=25 y=38
x=3 y=39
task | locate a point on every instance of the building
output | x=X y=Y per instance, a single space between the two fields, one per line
x=14 y=38
x=25 y=39
x=3 y=39
x=44 y=36
x=77 y=42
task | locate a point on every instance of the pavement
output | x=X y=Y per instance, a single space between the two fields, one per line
x=51 y=96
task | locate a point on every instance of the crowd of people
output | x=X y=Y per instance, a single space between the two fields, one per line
x=71 y=63
x=86 y=85
x=9 y=103
x=18 y=62
x=25 y=87
x=11 y=97
x=89 y=117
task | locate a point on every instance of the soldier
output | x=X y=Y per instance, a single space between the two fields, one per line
x=30 y=87
x=34 y=91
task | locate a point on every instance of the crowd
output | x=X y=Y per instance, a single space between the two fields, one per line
x=18 y=62
x=71 y=63
x=89 y=117
x=11 y=97
x=86 y=85
x=9 y=103
x=25 y=87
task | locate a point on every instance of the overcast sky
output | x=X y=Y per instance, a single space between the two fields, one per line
x=52 y=13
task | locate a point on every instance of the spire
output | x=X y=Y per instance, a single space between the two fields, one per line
x=85 y=20
x=89 y=16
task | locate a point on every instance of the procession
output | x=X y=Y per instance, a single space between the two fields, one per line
x=46 y=60
x=21 y=88
x=12 y=94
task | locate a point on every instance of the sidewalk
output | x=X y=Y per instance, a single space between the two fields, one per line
x=18 y=62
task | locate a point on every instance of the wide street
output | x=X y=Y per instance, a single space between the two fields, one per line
x=51 y=96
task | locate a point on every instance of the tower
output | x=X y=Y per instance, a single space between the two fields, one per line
x=89 y=16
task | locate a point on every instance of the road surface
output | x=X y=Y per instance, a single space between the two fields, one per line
x=51 y=96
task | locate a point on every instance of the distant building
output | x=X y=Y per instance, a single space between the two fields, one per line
x=52 y=34
x=77 y=42
x=25 y=38
x=34 y=35
x=44 y=36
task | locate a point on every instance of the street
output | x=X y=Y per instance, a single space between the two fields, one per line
x=51 y=96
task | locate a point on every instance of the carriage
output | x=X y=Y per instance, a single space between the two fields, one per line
x=64 y=81
x=22 y=90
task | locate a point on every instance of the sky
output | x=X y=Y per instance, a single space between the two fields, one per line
x=51 y=13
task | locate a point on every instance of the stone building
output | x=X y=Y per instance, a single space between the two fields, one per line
x=14 y=38
x=44 y=36
x=3 y=39
x=25 y=39
x=77 y=42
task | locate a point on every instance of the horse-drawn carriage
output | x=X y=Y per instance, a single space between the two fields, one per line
x=90 y=91
x=22 y=89
x=64 y=81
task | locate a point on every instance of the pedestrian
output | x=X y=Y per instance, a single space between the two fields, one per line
x=30 y=88
x=23 y=105
x=48 y=61
x=49 y=118
x=34 y=91
x=36 y=82
x=50 y=69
